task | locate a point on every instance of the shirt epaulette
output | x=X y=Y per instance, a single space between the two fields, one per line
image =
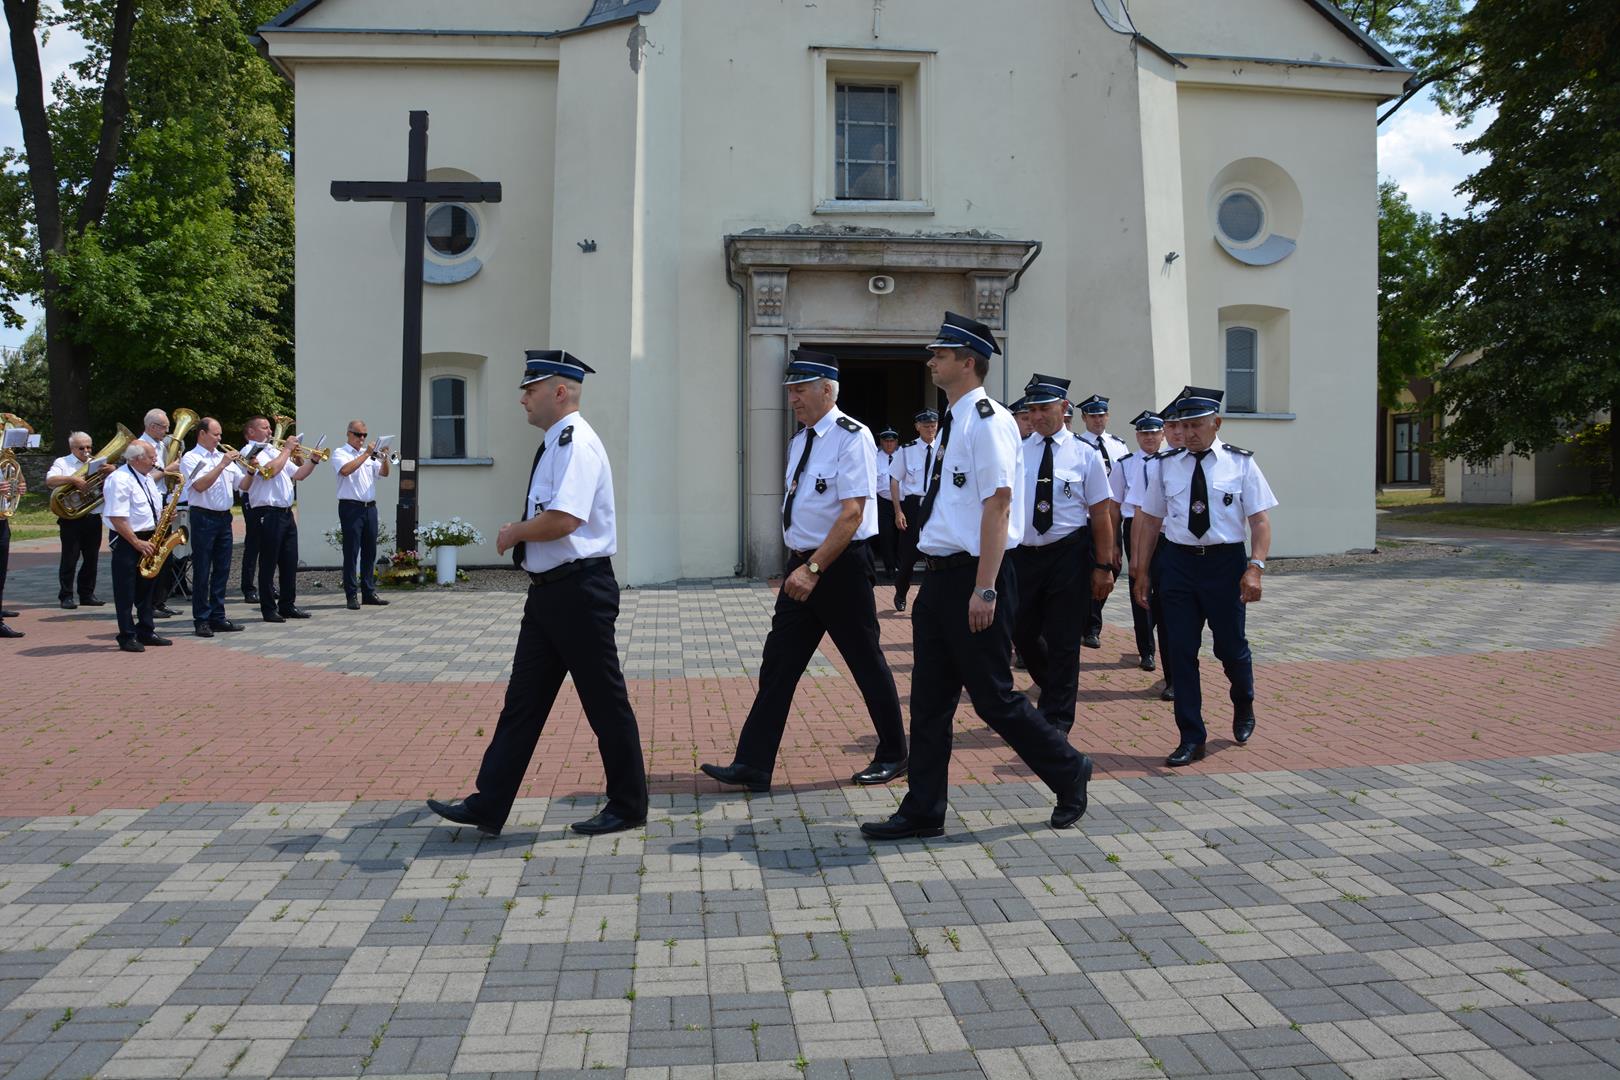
x=913 y=442
x=848 y=425
x=1237 y=450
x=1170 y=453
x=986 y=407
x=1123 y=457
x=567 y=436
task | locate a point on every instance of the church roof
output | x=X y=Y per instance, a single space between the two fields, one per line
x=602 y=13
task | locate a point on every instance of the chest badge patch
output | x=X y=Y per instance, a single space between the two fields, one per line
x=1198 y=506
x=1227 y=501
x=959 y=479
x=821 y=485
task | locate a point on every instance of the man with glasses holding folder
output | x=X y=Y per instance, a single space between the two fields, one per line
x=357 y=466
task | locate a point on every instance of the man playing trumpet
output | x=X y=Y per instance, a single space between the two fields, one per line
x=268 y=481
x=358 y=464
x=81 y=537
x=214 y=476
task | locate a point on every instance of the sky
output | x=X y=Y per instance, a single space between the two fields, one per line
x=1416 y=146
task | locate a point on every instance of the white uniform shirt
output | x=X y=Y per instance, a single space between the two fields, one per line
x=984 y=453
x=918 y=458
x=128 y=494
x=278 y=490
x=64 y=466
x=573 y=476
x=361 y=484
x=842 y=465
x=1078 y=480
x=1112 y=448
x=887 y=465
x=1236 y=486
x=220 y=495
x=1131 y=467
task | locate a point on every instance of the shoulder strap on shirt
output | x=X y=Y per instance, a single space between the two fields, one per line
x=567 y=436
x=848 y=425
x=986 y=407
x=1127 y=457
x=1170 y=453
x=1237 y=450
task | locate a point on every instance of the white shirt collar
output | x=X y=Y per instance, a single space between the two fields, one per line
x=966 y=402
x=554 y=432
x=824 y=425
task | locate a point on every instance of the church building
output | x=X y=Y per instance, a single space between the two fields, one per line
x=1136 y=196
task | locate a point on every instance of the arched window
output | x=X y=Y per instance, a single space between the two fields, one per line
x=1242 y=369
x=449 y=416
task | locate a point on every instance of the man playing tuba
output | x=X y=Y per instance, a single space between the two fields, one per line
x=81 y=536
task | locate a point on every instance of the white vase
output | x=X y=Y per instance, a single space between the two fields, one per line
x=445 y=561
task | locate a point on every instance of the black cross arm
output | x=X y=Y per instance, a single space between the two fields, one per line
x=426 y=190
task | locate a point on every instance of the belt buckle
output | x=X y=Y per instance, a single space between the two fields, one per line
x=1200 y=549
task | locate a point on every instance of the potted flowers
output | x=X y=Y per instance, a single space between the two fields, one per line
x=402 y=569
x=444 y=537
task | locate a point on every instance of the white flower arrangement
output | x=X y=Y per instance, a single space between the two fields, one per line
x=452 y=533
x=334 y=536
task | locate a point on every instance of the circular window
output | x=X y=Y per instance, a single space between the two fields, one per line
x=1240 y=217
x=451 y=230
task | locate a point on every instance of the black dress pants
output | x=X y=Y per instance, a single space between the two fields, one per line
x=278 y=552
x=253 y=525
x=887 y=534
x=1054 y=594
x=1143 y=619
x=948 y=657
x=842 y=606
x=81 y=551
x=1198 y=589
x=5 y=555
x=567 y=629
x=132 y=593
x=1094 y=621
x=906 y=546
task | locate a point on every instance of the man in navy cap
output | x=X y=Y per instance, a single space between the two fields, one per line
x=1020 y=412
x=918 y=455
x=1063 y=562
x=888 y=459
x=1094 y=413
x=565 y=541
x=1149 y=427
x=829 y=516
x=962 y=625
x=1207 y=496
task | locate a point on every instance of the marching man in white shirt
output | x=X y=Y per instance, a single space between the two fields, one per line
x=1206 y=496
x=358 y=464
x=214 y=476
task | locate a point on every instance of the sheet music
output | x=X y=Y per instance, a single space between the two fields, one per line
x=384 y=442
x=16 y=439
x=94 y=465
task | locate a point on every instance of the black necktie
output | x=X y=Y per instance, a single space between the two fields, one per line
x=1198 y=509
x=1043 y=491
x=928 y=466
x=1102 y=445
x=798 y=471
x=931 y=491
x=518 y=548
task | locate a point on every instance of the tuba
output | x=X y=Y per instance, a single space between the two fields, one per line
x=11 y=469
x=174 y=444
x=69 y=502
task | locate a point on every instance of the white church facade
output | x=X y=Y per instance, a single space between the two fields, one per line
x=1184 y=193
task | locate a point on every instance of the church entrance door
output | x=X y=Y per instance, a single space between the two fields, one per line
x=882 y=385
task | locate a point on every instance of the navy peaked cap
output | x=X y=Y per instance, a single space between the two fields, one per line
x=808 y=365
x=961 y=332
x=544 y=363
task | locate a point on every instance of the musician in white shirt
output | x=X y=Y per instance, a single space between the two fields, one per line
x=132 y=502
x=212 y=476
x=81 y=537
x=358 y=464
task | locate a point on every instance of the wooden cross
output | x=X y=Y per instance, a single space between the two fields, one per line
x=415 y=191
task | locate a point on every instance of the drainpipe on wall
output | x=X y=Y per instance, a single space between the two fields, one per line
x=742 y=413
x=1006 y=307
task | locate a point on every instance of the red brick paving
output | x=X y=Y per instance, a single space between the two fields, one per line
x=87 y=727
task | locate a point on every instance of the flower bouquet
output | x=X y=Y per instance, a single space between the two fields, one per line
x=401 y=570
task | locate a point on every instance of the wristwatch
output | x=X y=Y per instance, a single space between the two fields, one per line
x=987 y=595
x=813 y=567
x=1257 y=562
x=1103 y=567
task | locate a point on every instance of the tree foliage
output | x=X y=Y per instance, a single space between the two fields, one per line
x=1409 y=344
x=25 y=385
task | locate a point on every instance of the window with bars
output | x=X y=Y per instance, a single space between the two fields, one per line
x=1242 y=369
x=449 y=417
x=867 y=154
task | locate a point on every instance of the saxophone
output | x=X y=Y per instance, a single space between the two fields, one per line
x=166 y=537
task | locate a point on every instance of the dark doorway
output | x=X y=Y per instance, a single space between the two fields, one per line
x=883 y=385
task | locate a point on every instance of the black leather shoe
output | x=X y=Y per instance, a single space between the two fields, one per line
x=880 y=772
x=8 y=632
x=607 y=822
x=899 y=603
x=739 y=776
x=899 y=827
x=1168 y=693
x=155 y=641
x=163 y=611
x=92 y=601
x=7 y=613
x=1147 y=663
x=461 y=815
x=373 y=600
x=1092 y=641
x=204 y=630
x=1071 y=805
x=1185 y=754
x=295 y=613
x=250 y=595
x=354 y=603
x=1243 y=724
x=131 y=646
x=69 y=604
x=273 y=616
x=226 y=627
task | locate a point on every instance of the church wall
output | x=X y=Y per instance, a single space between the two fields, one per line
x=1321 y=300
x=1284 y=29
x=491 y=123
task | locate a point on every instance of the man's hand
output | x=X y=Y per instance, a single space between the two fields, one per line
x=1140 y=584
x=1249 y=585
x=981 y=612
x=233 y=457
x=800 y=584
x=899 y=519
x=143 y=547
x=107 y=467
x=78 y=482
x=506 y=539
x=5 y=489
x=1102 y=583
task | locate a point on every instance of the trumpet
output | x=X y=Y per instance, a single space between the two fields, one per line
x=11 y=469
x=318 y=453
x=280 y=436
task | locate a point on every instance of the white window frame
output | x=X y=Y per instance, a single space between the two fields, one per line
x=464 y=416
x=1254 y=371
x=910 y=71
x=1259 y=237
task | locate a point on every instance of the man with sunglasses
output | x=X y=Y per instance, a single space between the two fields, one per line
x=358 y=464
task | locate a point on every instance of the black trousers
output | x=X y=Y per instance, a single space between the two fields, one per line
x=906 y=545
x=252 y=533
x=1144 y=619
x=210 y=565
x=887 y=534
x=1199 y=589
x=278 y=552
x=842 y=606
x=948 y=657
x=132 y=594
x=5 y=555
x=1054 y=594
x=358 y=521
x=567 y=629
x=1094 y=621
x=81 y=551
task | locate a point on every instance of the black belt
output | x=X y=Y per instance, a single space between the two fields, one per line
x=947 y=562
x=360 y=502
x=854 y=545
x=283 y=509
x=206 y=510
x=1072 y=539
x=1203 y=549
x=557 y=573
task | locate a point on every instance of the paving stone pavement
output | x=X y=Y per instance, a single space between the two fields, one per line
x=1453 y=921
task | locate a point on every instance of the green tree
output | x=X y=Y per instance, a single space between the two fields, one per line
x=1531 y=273
x=25 y=384
x=1408 y=341
x=171 y=286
